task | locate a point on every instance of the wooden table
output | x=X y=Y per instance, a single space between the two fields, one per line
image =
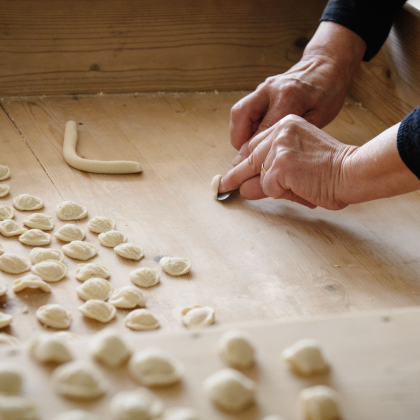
x=251 y=260
x=374 y=364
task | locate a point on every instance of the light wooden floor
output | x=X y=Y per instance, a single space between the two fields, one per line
x=251 y=260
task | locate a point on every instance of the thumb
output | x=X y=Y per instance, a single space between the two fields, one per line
x=267 y=122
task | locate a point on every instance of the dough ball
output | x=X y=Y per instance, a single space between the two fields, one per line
x=30 y=281
x=181 y=413
x=145 y=277
x=112 y=238
x=3 y=290
x=76 y=415
x=15 y=407
x=305 y=357
x=101 y=224
x=1 y=249
x=6 y=212
x=175 y=266
x=50 y=348
x=79 y=380
x=39 y=221
x=127 y=297
x=4 y=190
x=50 y=270
x=4 y=172
x=11 y=228
x=110 y=348
x=70 y=233
x=14 y=264
x=136 y=404
x=319 y=403
x=69 y=210
x=141 y=319
x=215 y=185
x=196 y=316
x=154 y=367
x=7 y=340
x=98 y=310
x=35 y=237
x=236 y=348
x=54 y=316
x=10 y=379
x=87 y=271
x=230 y=390
x=80 y=250
x=27 y=202
x=66 y=336
x=129 y=251
x=95 y=288
x=38 y=255
x=5 y=319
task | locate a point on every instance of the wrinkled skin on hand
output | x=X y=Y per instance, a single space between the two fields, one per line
x=313 y=89
x=303 y=164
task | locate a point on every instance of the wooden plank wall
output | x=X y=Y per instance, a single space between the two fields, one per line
x=91 y=46
x=389 y=85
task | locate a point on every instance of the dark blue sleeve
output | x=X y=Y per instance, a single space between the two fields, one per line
x=370 y=19
x=408 y=141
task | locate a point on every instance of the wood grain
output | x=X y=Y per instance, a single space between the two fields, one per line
x=251 y=260
x=389 y=84
x=62 y=47
x=374 y=364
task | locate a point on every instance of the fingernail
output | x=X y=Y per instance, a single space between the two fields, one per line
x=238 y=159
x=221 y=186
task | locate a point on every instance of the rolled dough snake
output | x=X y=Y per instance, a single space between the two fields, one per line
x=89 y=165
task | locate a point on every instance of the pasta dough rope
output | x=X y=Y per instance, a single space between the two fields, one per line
x=89 y=165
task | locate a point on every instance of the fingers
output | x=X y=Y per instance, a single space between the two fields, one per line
x=250 y=146
x=271 y=187
x=270 y=184
x=247 y=169
x=291 y=196
x=251 y=189
x=244 y=152
x=245 y=117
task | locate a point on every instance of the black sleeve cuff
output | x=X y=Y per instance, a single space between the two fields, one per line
x=370 y=19
x=408 y=141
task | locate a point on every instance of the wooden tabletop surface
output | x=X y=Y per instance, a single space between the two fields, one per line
x=251 y=260
x=373 y=359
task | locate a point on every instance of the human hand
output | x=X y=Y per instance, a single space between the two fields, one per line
x=303 y=164
x=306 y=165
x=314 y=88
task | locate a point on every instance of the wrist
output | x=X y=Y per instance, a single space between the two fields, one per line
x=375 y=170
x=337 y=44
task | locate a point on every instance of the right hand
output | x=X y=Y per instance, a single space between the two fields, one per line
x=315 y=88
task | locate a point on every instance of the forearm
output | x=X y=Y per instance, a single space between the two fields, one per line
x=339 y=45
x=376 y=170
x=369 y=19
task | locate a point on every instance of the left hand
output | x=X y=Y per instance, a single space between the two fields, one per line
x=303 y=164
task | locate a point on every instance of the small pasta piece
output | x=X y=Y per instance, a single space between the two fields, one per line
x=141 y=319
x=69 y=210
x=27 y=202
x=127 y=297
x=101 y=224
x=98 y=310
x=30 y=281
x=35 y=237
x=80 y=250
x=39 y=221
x=87 y=271
x=129 y=251
x=54 y=315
